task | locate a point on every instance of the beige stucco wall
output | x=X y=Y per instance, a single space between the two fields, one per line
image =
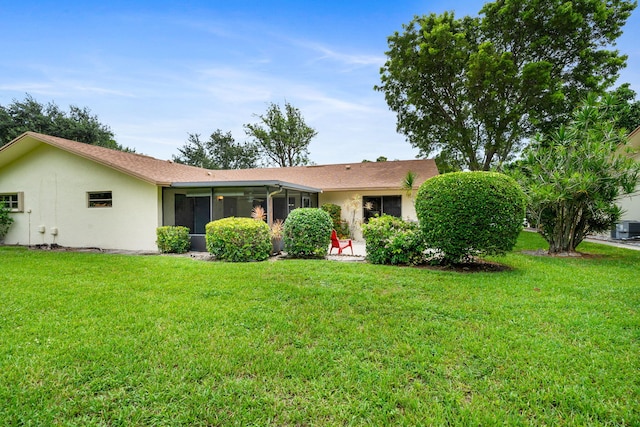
x=351 y=203
x=55 y=185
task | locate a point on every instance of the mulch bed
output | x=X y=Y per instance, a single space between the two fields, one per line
x=476 y=266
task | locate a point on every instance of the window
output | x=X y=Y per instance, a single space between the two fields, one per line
x=102 y=199
x=12 y=201
x=379 y=205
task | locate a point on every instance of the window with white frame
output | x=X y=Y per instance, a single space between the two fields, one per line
x=12 y=201
x=99 y=199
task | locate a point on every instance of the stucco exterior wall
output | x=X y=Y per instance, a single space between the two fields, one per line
x=631 y=204
x=351 y=203
x=631 y=207
x=55 y=186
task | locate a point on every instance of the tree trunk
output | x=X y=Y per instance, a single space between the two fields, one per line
x=568 y=231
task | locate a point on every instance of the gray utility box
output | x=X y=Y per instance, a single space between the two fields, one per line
x=626 y=230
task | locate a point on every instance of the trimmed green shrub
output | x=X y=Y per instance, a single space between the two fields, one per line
x=173 y=239
x=391 y=240
x=307 y=233
x=335 y=212
x=466 y=214
x=238 y=239
x=5 y=221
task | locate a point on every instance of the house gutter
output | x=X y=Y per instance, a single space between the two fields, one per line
x=270 y=204
x=256 y=183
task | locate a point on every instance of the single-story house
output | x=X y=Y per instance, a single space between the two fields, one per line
x=631 y=204
x=79 y=195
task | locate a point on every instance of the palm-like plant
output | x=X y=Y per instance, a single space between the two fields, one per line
x=574 y=178
x=408 y=182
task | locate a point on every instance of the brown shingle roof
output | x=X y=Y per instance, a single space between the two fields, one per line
x=341 y=177
x=337 y=177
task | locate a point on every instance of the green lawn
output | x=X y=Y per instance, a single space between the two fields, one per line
x=97 y=339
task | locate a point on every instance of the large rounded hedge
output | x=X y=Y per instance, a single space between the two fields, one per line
x=464 y=214
x=307 y=233
x=238 y=239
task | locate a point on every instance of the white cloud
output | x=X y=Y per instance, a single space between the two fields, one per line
x=349 y=59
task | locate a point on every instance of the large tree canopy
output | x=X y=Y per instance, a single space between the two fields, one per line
x=282 y=137
x=472 y=89
x=77 y=124
x=628 y=111
x=219 y=152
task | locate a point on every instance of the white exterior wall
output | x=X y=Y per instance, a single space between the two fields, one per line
x=55 y=186
x=345 y=199
x=631 y=207
x=631 y=204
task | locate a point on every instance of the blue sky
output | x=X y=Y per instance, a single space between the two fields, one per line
x=155 y=71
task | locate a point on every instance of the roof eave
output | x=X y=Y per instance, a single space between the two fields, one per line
x=95 y=159
x=397 y=188
x=247 y=183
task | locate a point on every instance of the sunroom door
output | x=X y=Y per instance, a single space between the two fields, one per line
x=194 y=212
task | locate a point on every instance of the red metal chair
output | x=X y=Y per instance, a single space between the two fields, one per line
x=340 y=244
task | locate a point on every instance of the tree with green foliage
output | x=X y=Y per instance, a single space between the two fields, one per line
x=78 y=124
x=473 y=89
x=219 y=152
x=282 y=137
x=574 y=177
x=628 y=110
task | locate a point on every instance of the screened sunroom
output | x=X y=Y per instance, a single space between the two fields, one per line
x=193 y=205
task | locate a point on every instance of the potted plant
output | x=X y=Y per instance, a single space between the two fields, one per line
x=276 y=236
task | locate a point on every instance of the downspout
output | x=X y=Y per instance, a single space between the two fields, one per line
x=270 y=204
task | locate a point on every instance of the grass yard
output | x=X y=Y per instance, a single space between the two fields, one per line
x=96 y=339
